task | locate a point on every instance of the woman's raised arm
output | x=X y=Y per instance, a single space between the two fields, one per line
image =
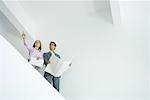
x=24 y=40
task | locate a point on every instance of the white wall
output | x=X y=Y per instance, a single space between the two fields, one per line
x=138 y=15
x=149 y=46
x=109 y=61
x=17 y=16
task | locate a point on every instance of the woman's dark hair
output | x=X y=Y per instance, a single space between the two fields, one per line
x=53 y=43
x=40 y=48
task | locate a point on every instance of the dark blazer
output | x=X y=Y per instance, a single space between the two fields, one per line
x=47 y=56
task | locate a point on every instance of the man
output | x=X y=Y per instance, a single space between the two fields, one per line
x=49 y=77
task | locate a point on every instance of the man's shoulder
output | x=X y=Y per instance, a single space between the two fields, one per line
x=46 y=53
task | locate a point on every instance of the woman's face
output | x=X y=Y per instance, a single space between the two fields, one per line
x=37 y=43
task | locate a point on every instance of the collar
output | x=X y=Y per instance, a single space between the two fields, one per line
x=52 y=52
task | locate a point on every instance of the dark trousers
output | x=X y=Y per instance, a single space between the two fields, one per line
x=52 y=79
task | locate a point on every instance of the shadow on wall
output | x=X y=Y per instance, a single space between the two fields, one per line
x=9 y=32
x=102 y=10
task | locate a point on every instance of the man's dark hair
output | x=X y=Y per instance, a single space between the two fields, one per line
x=52 y=42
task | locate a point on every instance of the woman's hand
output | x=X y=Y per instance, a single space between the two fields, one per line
x=37 y=58
x=70 y=64
x=23 y=35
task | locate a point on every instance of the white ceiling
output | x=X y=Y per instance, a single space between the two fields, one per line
x=47 y=12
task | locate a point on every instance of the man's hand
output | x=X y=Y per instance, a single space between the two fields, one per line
x=48 y=62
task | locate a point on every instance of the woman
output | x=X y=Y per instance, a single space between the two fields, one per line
x=34 y=51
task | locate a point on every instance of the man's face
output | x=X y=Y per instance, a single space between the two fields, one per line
x=52 y=46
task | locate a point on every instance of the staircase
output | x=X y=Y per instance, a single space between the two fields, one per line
x=19 y=80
